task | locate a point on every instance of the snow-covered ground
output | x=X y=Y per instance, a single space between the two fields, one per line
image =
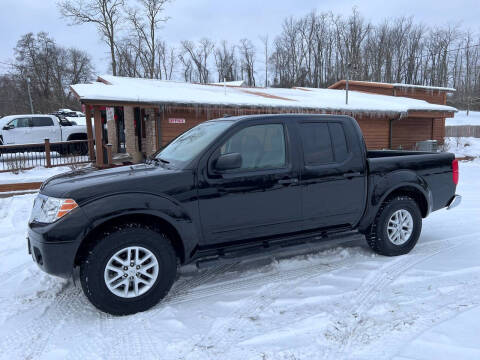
x=339 y=301
x=463 y=146
x=461 y=118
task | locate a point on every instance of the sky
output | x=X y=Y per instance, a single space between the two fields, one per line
x=219 y=20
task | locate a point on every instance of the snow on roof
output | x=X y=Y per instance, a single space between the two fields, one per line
x=435 y=88
x=391 y=85
x=123 y=89
x=461 y=118
x=239 y=83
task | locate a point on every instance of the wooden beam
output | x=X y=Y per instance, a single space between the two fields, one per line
x=98 y=136
x=88 y=118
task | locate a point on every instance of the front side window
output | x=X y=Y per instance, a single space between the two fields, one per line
x=20 y=122
x=42 y=121
x=191 y=143
x=261 y=147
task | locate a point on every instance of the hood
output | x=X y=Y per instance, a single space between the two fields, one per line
x=4 y=120
x=89 y=183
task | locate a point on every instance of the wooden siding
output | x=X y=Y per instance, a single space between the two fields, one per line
x=375 y=132
x=431 y=96
x=407 y=132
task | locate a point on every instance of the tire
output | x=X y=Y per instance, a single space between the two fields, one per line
x=93 y=273
x=79 y=149
x=377 y=235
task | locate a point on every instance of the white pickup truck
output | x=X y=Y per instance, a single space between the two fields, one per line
x=34 y=129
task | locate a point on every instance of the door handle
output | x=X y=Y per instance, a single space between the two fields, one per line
x=350 y=175
x=288 y=181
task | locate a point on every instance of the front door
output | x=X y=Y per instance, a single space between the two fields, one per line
x=259 y=199
x=333 y=178
x=17 y=131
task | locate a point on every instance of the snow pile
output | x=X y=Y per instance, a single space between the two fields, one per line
x=461 y=118
x=340 y=301
x=463 y=146
x=115 y=88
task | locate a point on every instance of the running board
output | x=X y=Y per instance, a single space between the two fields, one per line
x=262 y=248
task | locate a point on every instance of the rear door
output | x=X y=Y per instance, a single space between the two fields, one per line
x=333 y=178
x=43 y=127
x=260 y=199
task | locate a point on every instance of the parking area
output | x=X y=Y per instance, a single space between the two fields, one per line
x=337 y=299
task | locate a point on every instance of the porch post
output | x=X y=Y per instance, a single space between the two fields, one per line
x=88 y=118
x=98 y=136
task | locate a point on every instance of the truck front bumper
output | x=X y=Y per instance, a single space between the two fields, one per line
x=454 y=202
x=53 y=258
x=54 y=246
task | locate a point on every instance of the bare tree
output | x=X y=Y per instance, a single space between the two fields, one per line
x=166 y=61
x=146 y=21
x=247 y=56
x=198 y=55
x=264 y=40
x=105 y=14
x=226 y=62
x=50 y=68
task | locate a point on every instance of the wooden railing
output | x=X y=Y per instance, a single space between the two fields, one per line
x=47 y=154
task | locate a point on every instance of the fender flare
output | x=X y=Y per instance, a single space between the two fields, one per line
x=102 y=210
x=390 y=183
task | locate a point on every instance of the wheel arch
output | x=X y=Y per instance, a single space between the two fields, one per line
x=417 y=190
x=154 y=222
x=77 y=136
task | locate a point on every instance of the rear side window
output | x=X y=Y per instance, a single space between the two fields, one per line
x=42 y=121
x=339 y=141
x=317 y=145
x=323 y=143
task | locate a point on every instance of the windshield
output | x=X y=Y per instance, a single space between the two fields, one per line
x=191 y=143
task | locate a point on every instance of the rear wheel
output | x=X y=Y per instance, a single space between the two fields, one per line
x=396 y=228
x=129 y=270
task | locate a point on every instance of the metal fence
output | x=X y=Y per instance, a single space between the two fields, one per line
x=462 y=131
x=46 y=154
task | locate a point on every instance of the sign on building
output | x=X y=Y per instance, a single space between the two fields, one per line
x=176 y=120
x=110 y=113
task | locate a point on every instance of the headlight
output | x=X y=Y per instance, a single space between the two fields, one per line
x=49 y=209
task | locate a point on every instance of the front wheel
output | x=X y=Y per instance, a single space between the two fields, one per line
x=396 y=228
x=129 y=270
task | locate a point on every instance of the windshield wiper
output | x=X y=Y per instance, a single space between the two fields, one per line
x=162 y=160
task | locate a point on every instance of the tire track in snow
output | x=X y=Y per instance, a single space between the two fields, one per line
x=449 y=307
x=273 y=286
x=38 y=329
x=6 y=276
x=133 y=331
x=383 y=278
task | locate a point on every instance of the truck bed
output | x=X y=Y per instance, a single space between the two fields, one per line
x=434 y=168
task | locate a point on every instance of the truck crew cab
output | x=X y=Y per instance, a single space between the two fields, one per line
x=34 y=129
x=228 y=188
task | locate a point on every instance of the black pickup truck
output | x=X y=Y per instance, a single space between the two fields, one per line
x=229 y=188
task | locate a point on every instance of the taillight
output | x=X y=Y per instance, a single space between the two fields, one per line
x=455 y=171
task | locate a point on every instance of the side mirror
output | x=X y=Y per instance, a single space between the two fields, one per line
x=8 y=127
x=228 y=162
